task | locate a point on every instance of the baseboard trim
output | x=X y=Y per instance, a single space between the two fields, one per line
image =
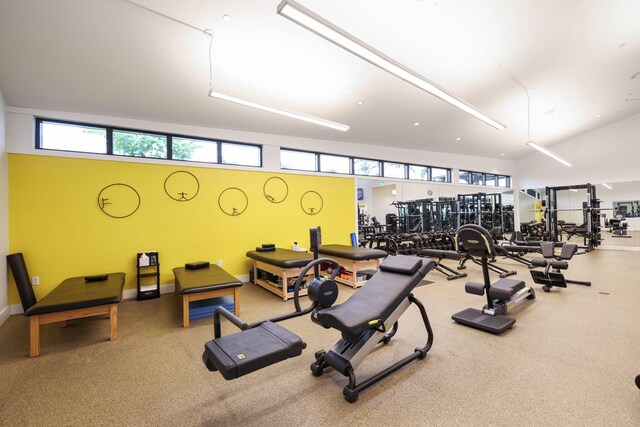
x=15 y=309
x=4 y=314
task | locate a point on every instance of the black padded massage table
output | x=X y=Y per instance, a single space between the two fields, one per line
x=353 y=260
x=283 y=263
x=205 y=283
x=74 y=298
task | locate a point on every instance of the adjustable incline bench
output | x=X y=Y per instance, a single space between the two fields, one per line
x=440 y=254
x=547 y=278
x=367 y=318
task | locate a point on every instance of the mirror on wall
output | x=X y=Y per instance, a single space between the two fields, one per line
x=619 y=215
x=379 y=201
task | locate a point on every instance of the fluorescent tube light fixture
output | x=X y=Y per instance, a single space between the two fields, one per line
x=316 y=24
x=299 y=116
x=547 y=152
x=607 y=186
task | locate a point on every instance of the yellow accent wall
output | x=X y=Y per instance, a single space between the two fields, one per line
x=55 y=219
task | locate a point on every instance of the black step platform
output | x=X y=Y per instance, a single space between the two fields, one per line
x=479 y=320
x=247 y=351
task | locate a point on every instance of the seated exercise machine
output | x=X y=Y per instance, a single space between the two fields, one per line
x=548 y=278
x=369 y=317
x=503 y=296
x=618 y=226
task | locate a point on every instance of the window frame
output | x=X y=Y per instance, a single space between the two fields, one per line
x=169 y=136
x=349 y=158
x=353 y=166
x=300 y=151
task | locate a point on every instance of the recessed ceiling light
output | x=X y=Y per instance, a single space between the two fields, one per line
x=458 y=139
x=226 y=18
x=501 y=154
x=597 y=116
x=360 y=103
x=416 y=124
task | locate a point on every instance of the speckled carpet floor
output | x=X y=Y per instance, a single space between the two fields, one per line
x=570 y=359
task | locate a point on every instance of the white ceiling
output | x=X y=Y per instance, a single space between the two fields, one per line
x=109 y=57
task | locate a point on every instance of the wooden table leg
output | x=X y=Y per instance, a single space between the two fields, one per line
x=236 y=301
x=285 y=287
x=185 y=311
x=34 y=336
x=255 y=272
x=113 y=321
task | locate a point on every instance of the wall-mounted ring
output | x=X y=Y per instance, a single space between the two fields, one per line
x=275 y=189
x=119 y=200
x=181 y=186
x=311 y=202
x=233 y=201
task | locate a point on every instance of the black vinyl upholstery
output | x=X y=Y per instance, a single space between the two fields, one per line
x=246 y=351
x=504 y=289
x=283 y=258
x=350 y=252
x=75 y=293
x=203 y=279
x=441 y=254
x=22 y=279
x=378 y=298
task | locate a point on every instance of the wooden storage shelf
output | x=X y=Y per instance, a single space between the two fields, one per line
x=284 y=273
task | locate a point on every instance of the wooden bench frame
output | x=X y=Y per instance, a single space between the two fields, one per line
x=284 y=273
x=62 y=316
x=353 y=266
x=197 y=296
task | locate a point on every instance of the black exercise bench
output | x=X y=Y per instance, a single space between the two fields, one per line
x=367 y=318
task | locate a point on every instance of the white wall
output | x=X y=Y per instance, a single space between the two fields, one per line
x=608 y=154
x=20 y=139
x=4 y=217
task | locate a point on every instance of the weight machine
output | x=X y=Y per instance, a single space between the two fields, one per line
x=482 y=209
x=589 y=230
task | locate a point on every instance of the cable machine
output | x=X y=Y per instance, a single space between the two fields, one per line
x=589 y=229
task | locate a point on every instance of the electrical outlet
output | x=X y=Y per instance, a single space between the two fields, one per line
x=35 y=280
x=219 y=263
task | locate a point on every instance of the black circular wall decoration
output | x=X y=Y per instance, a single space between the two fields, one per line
x=275 y=189
x=311 y=202
x=181 y=186
x=233 y=201
x=118 y=200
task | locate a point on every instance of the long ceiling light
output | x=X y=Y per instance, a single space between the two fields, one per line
x=312 y=22
x=299 y=116
x=547 y=152
x=607 y=186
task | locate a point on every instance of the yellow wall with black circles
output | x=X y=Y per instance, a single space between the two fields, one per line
x=56 y=218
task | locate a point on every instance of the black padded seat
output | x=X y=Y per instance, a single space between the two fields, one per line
x=246 y=351
x=284 y=258
x=504 y=289
x=75 y=293
x=518 y=248
x=378 y=298
x=352 y=253
x=438 y=253
x=203 y=280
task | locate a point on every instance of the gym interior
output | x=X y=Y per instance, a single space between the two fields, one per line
x=278 y=212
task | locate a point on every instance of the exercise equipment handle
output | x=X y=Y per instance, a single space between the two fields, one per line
x=303 y=273
x=230 y=316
